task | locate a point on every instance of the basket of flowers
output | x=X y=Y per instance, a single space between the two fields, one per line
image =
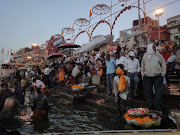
x=138 y=112
x=144 y=122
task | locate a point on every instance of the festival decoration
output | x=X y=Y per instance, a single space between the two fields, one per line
x=101 y=9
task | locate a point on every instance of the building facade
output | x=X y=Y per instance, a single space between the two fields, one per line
x=173 y=25
x=164 y=34
x=150 y=25
x=148 y=33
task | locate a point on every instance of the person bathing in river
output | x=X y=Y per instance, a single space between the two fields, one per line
x=10 y=106
x=18 y=89
x=39 y=106
x=120 y=89
x=4 y=94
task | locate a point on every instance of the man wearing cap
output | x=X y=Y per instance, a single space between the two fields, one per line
x=110 y=73
x=132 y=68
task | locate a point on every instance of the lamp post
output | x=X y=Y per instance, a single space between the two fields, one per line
x=157 y=13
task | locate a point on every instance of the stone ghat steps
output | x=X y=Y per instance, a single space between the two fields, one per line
x=172 y=91
x=173 y=78
x=169 y=102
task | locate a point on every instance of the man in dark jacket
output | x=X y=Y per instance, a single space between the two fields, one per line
x=40 y=106
x=18 y=89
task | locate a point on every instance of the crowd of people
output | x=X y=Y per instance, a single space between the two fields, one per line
x=121 y=72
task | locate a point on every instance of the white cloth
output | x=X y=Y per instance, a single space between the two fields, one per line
x=97 y=56
x=150 y=50
x=158 y=49
x=32 y=73
x=92 y=59
x=164 y=80
x=131 y=53
x=29 y=69
x=132 y=66
x=39 y=83
x=27 y=75
x=171 y=59
x=47 y=71
x=121 y=60
x=75 y=71
x=123 y=95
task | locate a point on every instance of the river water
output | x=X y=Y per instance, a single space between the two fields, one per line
x=71 y=118
x=67 y=118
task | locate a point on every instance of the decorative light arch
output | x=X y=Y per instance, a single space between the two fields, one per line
x=68 y=39
x=129 y=7
x=102 y=21
x=81 y=33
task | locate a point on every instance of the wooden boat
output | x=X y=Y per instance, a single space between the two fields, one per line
x=68 y=95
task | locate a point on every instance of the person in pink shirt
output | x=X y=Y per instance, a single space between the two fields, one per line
x=39 y=84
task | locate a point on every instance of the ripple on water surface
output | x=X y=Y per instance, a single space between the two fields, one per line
x=66 y=118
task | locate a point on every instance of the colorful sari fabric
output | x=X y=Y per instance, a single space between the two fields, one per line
x=61 y=76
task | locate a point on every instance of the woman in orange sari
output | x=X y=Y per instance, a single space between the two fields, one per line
x=61 y=77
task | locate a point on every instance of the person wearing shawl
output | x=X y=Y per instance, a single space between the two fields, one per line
x=153 y=69
x=120 y=89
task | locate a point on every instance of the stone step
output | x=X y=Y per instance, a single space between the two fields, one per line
x=174 y=80
x=107 y=105
x=102 y=96
x=113 y=105
x=173 y=76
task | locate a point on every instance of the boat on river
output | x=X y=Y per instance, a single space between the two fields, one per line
x=68 y=95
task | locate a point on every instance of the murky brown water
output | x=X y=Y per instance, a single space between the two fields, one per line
x=71 y=118
x=67 y=118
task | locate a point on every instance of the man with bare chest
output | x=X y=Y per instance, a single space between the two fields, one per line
x=10 y=106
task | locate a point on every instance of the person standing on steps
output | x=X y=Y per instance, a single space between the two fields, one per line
x=110 y=73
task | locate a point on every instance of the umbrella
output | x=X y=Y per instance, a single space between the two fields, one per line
x=42 y=64
x=69 y=45
x=22 y=68
x=29 y=63
x=34 y=63
x=56 y=55
x=96 y=42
